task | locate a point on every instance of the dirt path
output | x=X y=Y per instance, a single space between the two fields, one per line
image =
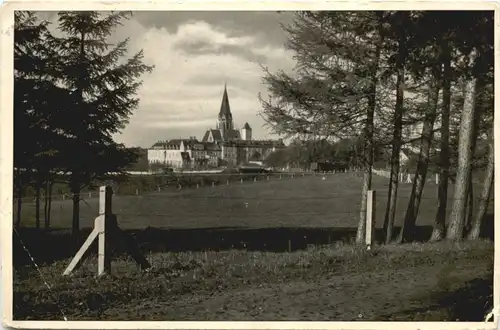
x=364 y=296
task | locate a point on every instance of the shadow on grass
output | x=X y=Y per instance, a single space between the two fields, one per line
x=47 y=246
x=470 y=303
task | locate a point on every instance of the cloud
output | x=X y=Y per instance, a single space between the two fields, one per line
x=263 y=24
x=202 y=32
x=194 y=55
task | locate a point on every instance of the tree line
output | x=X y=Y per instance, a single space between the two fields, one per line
x=73 y=90
x=302 y=153
x=377 y=74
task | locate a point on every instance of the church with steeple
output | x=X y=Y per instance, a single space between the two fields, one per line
x=224 y=129
x=222 y=145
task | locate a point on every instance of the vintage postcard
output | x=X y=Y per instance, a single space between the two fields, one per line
x=248 y=165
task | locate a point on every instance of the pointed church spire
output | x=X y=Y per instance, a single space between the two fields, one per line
x=225 y=110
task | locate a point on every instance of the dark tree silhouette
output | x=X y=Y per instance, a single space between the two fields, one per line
x=102 y=85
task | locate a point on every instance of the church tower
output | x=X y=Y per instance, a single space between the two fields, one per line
x=225 y=119
x=246 y=132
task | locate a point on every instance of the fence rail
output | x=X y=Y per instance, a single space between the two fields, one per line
x=404 y=177
x=180 y=181
x=107 y=231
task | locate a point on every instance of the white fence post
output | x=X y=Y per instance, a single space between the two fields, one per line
x=105 y=226
x=99 y=231
x=370 y=218
x=437 y=178
x=104 y=260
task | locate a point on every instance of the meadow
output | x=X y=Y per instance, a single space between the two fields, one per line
x=277 y=249
x=317 y=201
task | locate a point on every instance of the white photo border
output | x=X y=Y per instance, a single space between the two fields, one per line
x=6 y=151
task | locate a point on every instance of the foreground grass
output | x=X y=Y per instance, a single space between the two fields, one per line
x=439 y=282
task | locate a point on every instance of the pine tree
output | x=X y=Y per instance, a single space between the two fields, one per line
x=399 y=23
x=476 y=35
x=444 y=154
x=425 y=65
x=102 y=85
x=486 y=192
x=457 y=216
x=334 y=90
x=36 y=134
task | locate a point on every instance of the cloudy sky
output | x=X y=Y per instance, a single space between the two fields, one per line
x=194 y=54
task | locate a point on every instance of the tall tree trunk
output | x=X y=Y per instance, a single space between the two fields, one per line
x=457 y=217
x=469 y=205
x=368 y=149
x=38 y=188
x=49 y=208
x=480 y=85
x=76 y=173
x=475 y=230
x=75 y=190
x=438 y=231
x=407 y=232
x=390 y=211
x=46 y=204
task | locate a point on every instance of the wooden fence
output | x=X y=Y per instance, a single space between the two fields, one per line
x=108 y=233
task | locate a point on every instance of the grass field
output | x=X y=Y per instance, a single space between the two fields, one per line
x=301 y=202
x=191 y=236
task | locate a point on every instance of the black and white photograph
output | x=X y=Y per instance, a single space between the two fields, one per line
x=249 y=165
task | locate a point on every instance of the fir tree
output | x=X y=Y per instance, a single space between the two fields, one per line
x=36 y=105
x=334 y=92
x=102 y=85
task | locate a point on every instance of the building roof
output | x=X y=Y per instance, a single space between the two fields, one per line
x=158 y=145
x=246 y=126
x=174 y=143
x=215 y=133
x=225 y=110
x=198 y=146
x=212 y=146
x=209 y=146
x=233 y=134
x=177 y=142
x=255 y=143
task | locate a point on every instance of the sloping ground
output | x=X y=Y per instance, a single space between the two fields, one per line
x=437 y=282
